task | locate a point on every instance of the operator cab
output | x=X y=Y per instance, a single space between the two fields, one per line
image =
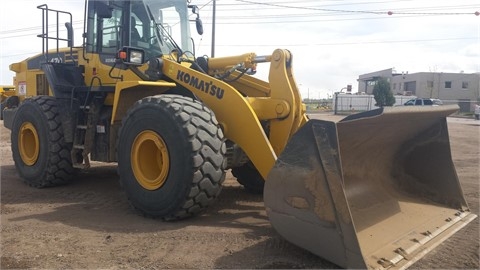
x=150 y=25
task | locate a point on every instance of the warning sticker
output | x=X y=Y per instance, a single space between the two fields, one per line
x=22 y=88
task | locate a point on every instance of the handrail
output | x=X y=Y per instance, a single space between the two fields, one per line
x=46 y=37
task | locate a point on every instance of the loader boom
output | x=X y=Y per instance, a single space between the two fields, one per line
x=240 y=117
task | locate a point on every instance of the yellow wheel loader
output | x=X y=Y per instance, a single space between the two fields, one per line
x=6 y=91
x=374 y=190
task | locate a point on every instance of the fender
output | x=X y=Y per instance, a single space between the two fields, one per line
x=128 y=92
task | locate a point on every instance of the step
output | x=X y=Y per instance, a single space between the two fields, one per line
x=81 y=165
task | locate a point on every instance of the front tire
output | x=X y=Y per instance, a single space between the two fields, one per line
x=41 y=155
x=171 y=156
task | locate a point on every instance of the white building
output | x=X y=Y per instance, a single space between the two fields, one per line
x=452 y=88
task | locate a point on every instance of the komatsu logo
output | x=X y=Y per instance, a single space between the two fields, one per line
x=201 y=85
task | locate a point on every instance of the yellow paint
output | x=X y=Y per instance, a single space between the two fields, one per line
x=28 y=144
x=244 y=107
x=128 y=92
x=150 y=160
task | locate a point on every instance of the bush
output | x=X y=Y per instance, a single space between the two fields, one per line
x=382 y=93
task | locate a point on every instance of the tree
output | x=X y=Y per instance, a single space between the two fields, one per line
x=382 y=93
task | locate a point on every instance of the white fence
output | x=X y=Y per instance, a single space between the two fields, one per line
x=347 y=103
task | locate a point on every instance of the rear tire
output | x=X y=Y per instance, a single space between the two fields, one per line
x=249 y=177
x=171 y=157
x=41 y=155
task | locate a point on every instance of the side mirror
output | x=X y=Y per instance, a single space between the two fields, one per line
x=199 y=25
x=198 y=21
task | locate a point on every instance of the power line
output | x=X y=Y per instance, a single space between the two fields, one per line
x=261 y=21
x=313 y=44
x=275 y=6
x=351 y=43
x=402 y=11
x=34 y=28
x=477 y=13
x=322 y=13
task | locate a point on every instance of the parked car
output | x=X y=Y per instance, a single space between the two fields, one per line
x=423 y=102
x=477 y=112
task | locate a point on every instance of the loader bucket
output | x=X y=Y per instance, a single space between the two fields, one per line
x=375 y=190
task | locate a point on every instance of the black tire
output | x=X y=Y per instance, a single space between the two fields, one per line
x=41 y=156
x=2 y=106
x=249 y=177
x=185 y=141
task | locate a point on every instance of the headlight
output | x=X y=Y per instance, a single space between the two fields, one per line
x=132 y=56
x=136 y=57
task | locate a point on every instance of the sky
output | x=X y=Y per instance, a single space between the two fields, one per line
x=332 y=41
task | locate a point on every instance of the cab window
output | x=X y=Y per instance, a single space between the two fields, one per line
x=111 y=37
x=104 y=34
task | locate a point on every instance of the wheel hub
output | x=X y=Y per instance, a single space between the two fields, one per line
x=150 y=160
x=28 y=144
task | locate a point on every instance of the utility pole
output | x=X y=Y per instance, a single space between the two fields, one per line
x=213 y=28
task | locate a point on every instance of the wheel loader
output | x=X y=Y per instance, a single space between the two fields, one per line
x=5 y=92
x=375 y=190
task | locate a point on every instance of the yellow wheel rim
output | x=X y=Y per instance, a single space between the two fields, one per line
x=28 y=144
x=150 y=160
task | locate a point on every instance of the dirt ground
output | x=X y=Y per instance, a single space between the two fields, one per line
x=89 y=224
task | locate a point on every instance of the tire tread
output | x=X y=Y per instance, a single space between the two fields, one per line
x=59 y=169
x=208 y=149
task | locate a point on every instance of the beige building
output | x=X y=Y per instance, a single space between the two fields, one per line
x=452 y=88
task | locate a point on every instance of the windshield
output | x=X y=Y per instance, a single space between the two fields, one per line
x=159 y=27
